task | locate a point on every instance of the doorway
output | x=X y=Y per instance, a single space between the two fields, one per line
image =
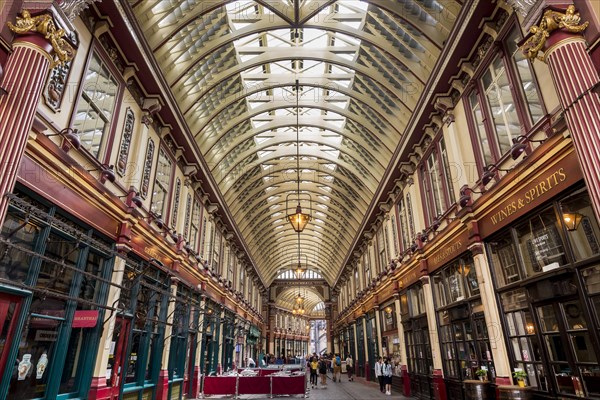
x=567 y=341
x=10 y=307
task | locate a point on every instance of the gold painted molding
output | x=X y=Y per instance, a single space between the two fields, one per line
x=568 y=21
x=44 y=25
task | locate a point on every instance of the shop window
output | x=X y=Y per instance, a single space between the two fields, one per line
x=505 y=101
x=504 y=259
x=18 y=234
x=95 y=108
x=456 y=282
x=68 y=285
x=581 y=225
x=180 y=327
x=162 y=183
x=388 y=318
x=540 y=243
x=147 y=322
x=416 y=300
x=418 y=348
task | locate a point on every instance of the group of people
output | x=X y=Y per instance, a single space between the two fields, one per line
x=383 y=373
x=319 y=365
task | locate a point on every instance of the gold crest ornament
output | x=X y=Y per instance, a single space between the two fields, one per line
x=44 y=25
x=551 y=20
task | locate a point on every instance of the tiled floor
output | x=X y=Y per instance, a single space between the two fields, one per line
x=359 y=389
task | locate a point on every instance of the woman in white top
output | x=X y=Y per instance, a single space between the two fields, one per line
x=350 y=367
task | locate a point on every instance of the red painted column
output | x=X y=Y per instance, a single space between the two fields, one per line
x=195 y=378
x=24 y=77
x=162 y=386
x=575 y=77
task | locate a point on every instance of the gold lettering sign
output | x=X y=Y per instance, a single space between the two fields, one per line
x=530 y=196
x=548 y=184
x=447 y=252
x=152 y=252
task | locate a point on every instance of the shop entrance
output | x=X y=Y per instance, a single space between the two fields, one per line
x=9 y=311
x=572 y=359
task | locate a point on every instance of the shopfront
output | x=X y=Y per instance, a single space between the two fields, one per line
x=547 y=275
x=54 y=279
x=210 y=341
x=417 y=342
x=372 y=350
x=182 y=354
x=390 y=342
x=360 y=345
x=463 y=333
x=144 y=298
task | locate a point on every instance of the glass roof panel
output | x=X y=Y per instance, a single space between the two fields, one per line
x=234 y=79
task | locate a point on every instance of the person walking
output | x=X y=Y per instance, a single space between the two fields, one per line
x=379 y=373
x=323 y=371
x=314 y=366
x=350 y=367
x=387 y=376
x=337 y=368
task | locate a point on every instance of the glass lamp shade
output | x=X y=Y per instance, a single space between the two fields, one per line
x=299 y=271
x=572 y=220
x=299 y=219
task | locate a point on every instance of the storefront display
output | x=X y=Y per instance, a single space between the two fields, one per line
x=417 y=342
x=548 y=294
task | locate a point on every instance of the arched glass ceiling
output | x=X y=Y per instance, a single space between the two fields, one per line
x=361 y=67
x=287 y=299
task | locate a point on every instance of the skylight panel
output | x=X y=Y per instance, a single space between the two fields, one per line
x=263 y=153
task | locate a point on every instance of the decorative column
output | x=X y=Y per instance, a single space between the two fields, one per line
x=438 y=376
x=198 y=365
x=558 y=35
x=162 y=386
x=378 y=339
x=492 y=316
x=366 y=367
x=37 y=44
x=403 y=359
x=98 y=388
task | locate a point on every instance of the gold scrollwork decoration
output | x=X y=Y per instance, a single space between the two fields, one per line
x=44 y=25
x=551 y=20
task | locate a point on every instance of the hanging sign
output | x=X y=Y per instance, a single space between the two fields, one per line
x=85 y=318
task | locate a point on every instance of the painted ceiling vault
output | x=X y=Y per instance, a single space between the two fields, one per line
x=361 y=66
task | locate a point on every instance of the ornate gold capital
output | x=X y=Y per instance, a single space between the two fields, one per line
x=551 y=21
x=44 y=25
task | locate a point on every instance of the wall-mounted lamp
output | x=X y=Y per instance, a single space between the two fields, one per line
x=489 y=173
x=71 y=139
x=388 y=310
x=414 y=247
x=572 y=220
x=519 y=146
x=465 y=196
x=132 y=198
x=107 y=173
x=157 y=219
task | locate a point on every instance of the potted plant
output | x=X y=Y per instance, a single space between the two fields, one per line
x=520 y=376
x=482 y=374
